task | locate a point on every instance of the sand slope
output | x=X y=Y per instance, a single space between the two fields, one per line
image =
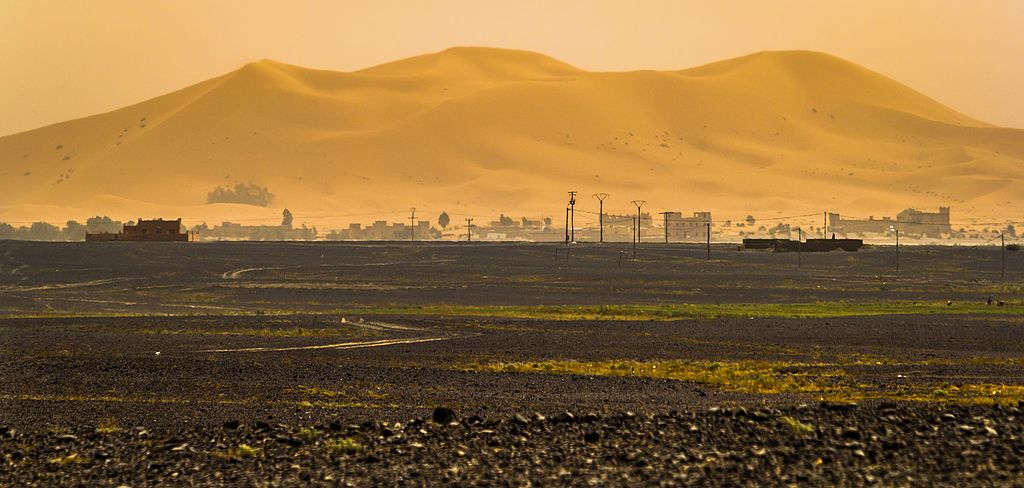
x=478 y=131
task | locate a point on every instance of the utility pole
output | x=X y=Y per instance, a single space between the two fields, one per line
x=412 y=225
x=634 y=237
x=566 y=226
x=799 y=246
x=824 y=225
x=1002 y=256
x=638 y=203
x=572 y=216
x=709 y=241
x=469 y=230
x=897 y=251
x=666 y=225
x=600 y=213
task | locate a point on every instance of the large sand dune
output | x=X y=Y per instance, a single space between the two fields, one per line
x=479 y=131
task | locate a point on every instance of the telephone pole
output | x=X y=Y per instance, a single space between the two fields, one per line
x=1002 y=256
x=638 y=203
x=572 y=216
x=799 y=246
x=824 y=225
x=634 y=237
x=666 y=225
x=412 y=225
x=709 y=241
x=897 y=251
x=600 y=212
x=566 y=226
x=469 y=230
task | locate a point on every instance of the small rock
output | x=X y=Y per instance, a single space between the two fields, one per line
x=564 y=418
x=261 y=425
x=591 y=437
x=67 y=438
x=520 y=419
x=838 y=406
x=443 y=415
x=232 y=424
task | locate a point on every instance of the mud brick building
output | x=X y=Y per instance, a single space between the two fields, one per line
x=159 y=230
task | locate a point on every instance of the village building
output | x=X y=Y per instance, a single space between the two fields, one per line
x=911 y=222
x=380 y=230
x=679 y=228
x=158 y=230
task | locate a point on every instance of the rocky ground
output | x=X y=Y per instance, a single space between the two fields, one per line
x=182 y=365
x=829 y=444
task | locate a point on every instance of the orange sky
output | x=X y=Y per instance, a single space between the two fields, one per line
x=67 y=59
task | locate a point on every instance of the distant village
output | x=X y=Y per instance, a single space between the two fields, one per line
x=911 y=224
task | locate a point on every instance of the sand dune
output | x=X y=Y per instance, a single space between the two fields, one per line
x=478 y=131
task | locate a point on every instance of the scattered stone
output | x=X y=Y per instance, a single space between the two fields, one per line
x=232 y=424
x=443 y=415
x=564 y=418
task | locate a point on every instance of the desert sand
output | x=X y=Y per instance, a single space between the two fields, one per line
x=482 y=131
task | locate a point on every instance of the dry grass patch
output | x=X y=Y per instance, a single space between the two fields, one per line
x=243 y=451
x=741 y=376
x=345 y=445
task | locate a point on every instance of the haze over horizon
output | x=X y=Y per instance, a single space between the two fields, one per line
x=66 y=60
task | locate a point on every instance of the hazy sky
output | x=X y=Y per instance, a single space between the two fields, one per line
x=68 y=59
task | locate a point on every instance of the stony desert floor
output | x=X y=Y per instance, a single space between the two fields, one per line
x=362 y=364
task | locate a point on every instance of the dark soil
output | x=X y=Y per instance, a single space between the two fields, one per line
x=143 y=400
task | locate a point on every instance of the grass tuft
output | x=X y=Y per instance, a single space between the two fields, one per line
x=345 y=445
x=797 y=427
x=108 y=426
x=243 y=451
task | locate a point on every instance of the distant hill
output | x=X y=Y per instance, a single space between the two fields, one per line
x=478 y=131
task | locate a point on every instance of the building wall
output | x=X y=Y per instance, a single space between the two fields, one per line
x=687 y=228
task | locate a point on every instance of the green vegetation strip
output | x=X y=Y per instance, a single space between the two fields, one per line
x=695 y=311
x=741 y=376
x=664 y=311
x=826 y=381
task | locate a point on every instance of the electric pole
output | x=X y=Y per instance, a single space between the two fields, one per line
x=666 y=225
x=799 y=246
x=566 y=226
x=634 y=237
x=824 y=226
x=572 y=216
x=897 y=251
x=469 y=230
x=412 y=225
x=709 y=241
x=1002 y=256
x=638 y=203
x=600 y=213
